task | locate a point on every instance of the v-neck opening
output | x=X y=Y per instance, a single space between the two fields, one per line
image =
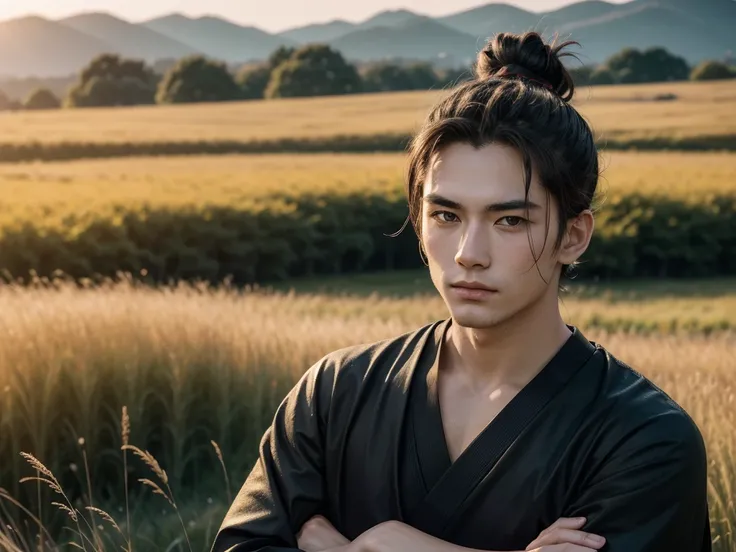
x=432 y=446
x=431 y=449
x=450 y=483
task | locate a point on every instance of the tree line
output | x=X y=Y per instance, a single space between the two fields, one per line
x=318 y=70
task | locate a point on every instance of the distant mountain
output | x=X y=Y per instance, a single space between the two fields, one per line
x=576 y=14
x=327 y=32
x=648 y=26
x=490 y=19
x=219 y=38
x=320 y=32
x=390 y=18
x=422 y=38
x=34 y=46
x=126 y=38
x=718 y=15
x=694 y=29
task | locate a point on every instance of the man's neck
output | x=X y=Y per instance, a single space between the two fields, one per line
x=507 y=355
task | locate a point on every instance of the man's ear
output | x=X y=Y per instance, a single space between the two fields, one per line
x=577 y=237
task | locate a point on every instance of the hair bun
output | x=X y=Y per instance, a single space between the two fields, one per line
x=526 y=55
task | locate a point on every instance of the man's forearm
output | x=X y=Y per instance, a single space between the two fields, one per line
x=402 y=542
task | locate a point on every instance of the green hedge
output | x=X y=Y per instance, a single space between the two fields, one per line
x=285 y=236
x=388 y=142
x=63 y=151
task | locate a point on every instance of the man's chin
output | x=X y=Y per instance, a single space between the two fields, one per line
x=476 y=316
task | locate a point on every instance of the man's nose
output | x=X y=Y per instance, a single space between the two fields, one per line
x=474 y=248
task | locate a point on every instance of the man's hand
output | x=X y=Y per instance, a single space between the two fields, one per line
x=564 y=535
x=318 y=535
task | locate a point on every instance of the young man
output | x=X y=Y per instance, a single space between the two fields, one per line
x=495 y=428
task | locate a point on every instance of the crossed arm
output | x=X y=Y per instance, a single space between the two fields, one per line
x=318 y=535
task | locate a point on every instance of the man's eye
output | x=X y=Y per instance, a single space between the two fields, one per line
x=440 y=213
x=513 y=221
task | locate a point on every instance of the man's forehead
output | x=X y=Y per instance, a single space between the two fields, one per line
x=463 y=167
x=471 y=188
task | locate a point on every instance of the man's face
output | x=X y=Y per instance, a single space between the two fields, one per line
x=491 y=247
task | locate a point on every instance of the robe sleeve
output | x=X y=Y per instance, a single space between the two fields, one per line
x=286 y=486
x=650 y=493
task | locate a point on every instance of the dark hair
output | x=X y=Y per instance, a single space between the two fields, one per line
x=519 y=97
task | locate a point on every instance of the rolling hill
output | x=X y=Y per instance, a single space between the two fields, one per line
x=492 y=18
x=581 y=11
x=126 y=38
x=651 y=26
x=420 y=38
x=326 y=32
x=319 y=31
x=34 y=46
x=219 y=38
x=390 y=18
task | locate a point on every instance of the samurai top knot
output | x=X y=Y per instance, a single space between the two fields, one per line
x=513 y=70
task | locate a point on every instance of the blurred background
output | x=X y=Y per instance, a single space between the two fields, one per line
x=196 y=202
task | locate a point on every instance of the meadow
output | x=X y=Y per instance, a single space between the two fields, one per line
x=700 y=116
x=198 y=363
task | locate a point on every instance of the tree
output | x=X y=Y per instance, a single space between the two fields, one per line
x=422 y=76
x=110 y=80
x=383 y=77
x=602 y=75
x=581 y=75
x=197 y=79
x=653 y=65
x=101 y=91
x=712 y=70
x=253 y=81
x=42 y=98
x=313 y=70
x=112 y=66
x=279 y=56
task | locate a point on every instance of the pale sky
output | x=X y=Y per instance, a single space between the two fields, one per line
x=270 y=15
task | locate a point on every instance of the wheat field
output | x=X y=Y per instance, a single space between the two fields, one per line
x=615 y=112
x=46 y=193
x=216 y=362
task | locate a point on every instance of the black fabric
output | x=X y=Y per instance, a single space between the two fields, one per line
x=450 y=485
x=359 y=439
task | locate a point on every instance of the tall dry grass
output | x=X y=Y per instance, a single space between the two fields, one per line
x=194 y=365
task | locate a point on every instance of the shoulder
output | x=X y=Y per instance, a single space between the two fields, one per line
x=351 y=367
x=640 y=419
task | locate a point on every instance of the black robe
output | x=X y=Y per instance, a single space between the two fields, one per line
x=360 y=441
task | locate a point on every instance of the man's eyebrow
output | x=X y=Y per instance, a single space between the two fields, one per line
x=511 y=205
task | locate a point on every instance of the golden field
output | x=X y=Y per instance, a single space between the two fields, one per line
x=616 y=113
x=48 y=192
x=209 y=363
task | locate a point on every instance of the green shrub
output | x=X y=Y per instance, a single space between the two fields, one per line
x=356 y=143
x=283 y=236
